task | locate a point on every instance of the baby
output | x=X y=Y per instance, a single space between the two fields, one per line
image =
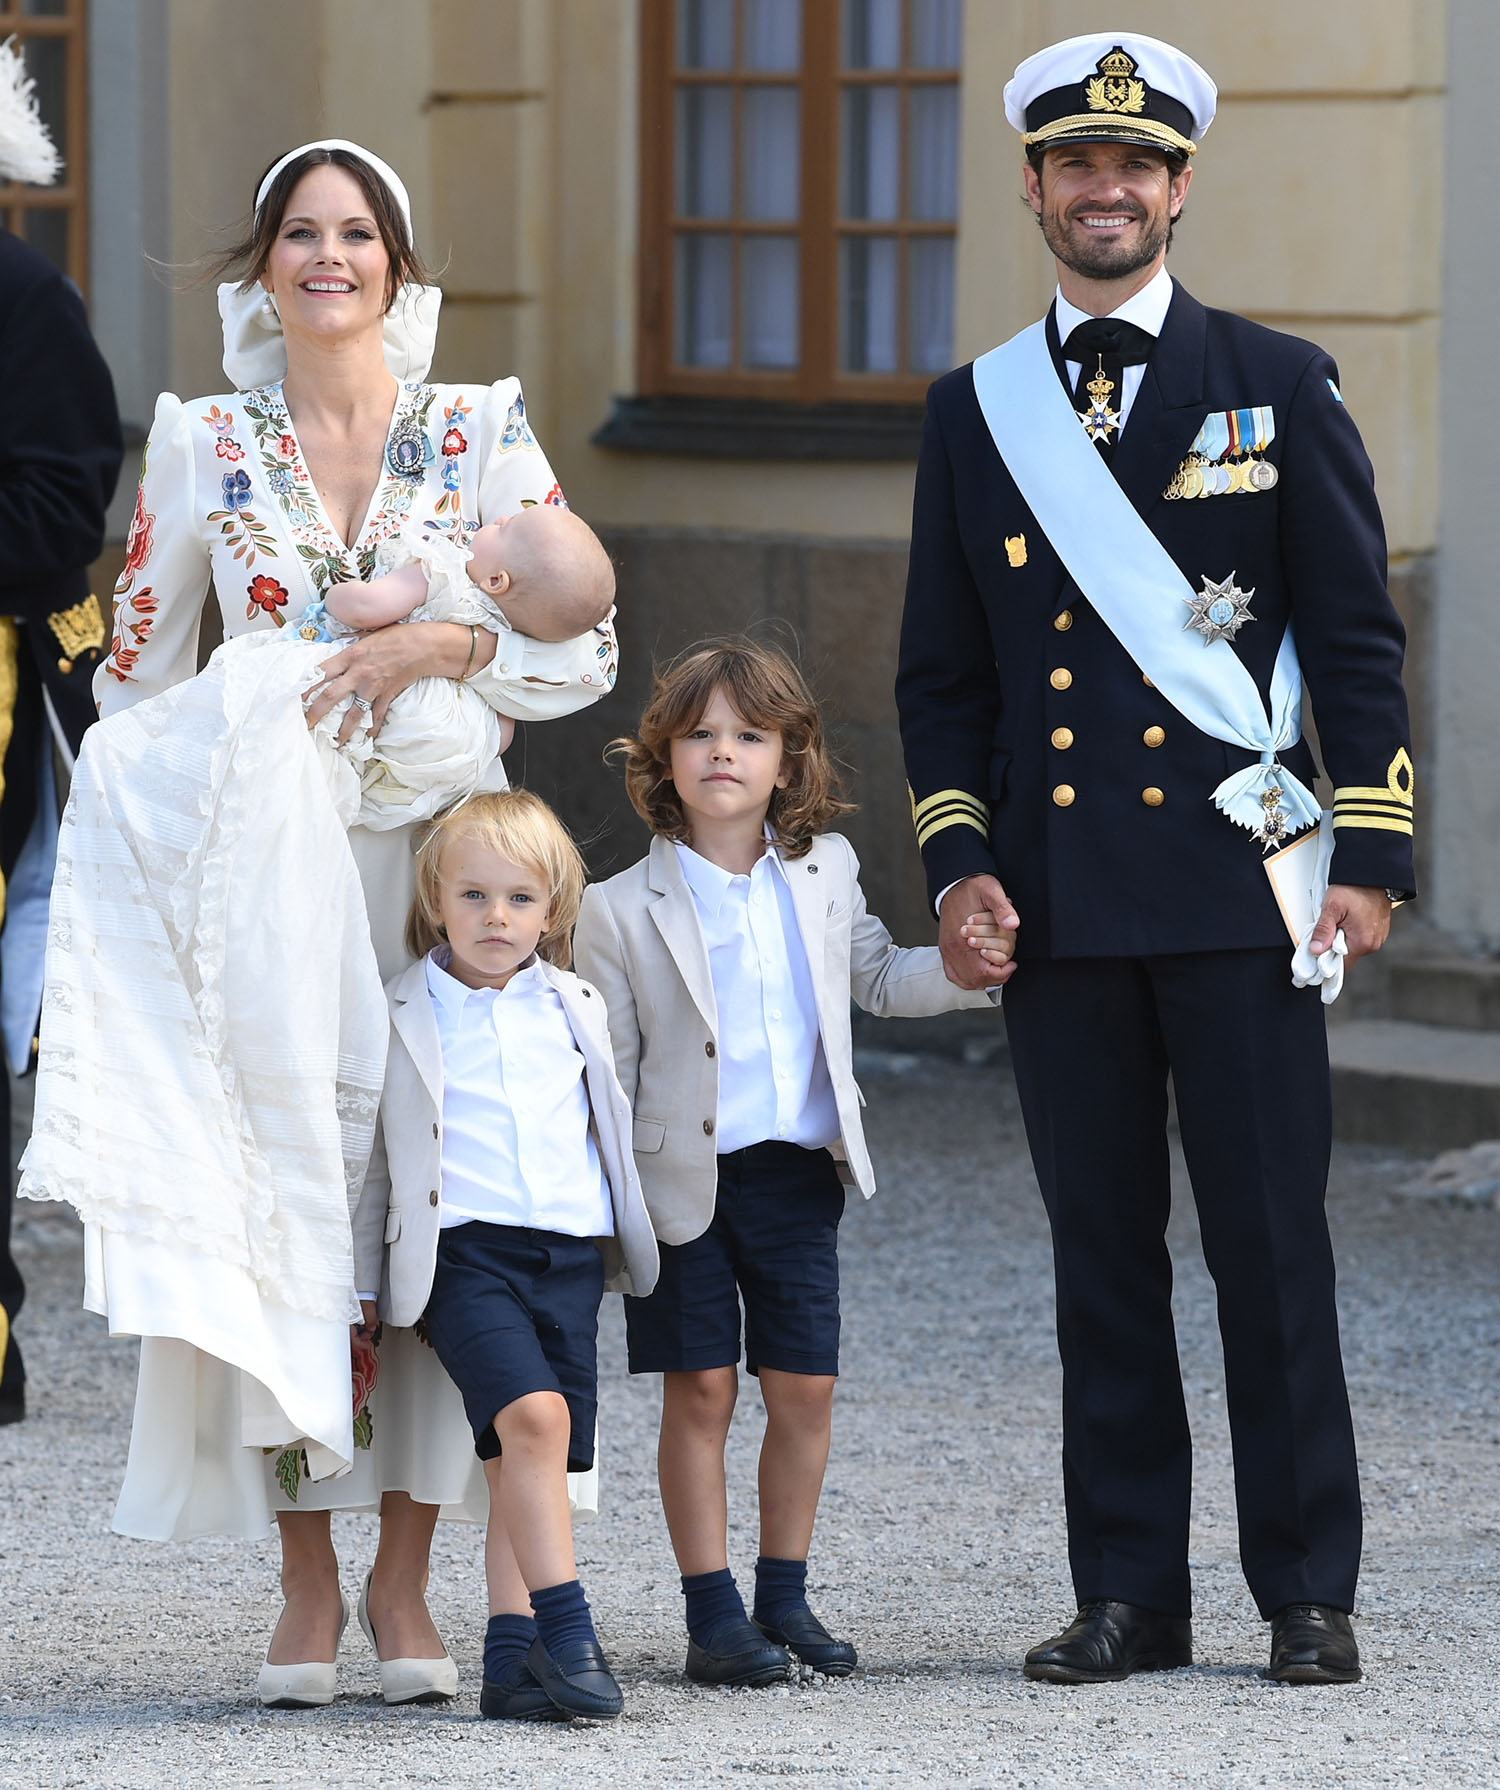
x=541 y=572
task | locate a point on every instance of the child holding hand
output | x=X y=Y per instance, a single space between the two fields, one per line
x=503 y=1186
x=727 y=958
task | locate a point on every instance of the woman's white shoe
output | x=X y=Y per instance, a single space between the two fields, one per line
x=409 y=1680
x=306 y=1684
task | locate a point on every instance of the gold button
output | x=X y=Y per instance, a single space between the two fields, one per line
x=1147 y=682
x=1062 y=738
x=1154 y=736
x=1063 y=622
x=1061 y=678
x=1063 y=795
x=1153 y=798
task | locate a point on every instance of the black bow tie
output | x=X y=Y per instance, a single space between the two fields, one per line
x=1113 y=339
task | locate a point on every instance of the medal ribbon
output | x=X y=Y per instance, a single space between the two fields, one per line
x=1133 y=582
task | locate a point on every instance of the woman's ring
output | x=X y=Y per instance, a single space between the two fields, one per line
x=361 y=703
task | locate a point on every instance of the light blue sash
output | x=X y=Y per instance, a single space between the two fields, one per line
x=1132 y=581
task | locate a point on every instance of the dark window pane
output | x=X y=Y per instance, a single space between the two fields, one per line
x=872 y=33
x=46 y=61
x=869 y=300
x=768 y=301
x=870 y=152
x=44 y=9
x=705 y=152
x=932 y=153
x=936 y=33
x=770 y=162
x=773 y=35
x=705 y=33
x=704 y=300
x=47 y=232
x=929 y=304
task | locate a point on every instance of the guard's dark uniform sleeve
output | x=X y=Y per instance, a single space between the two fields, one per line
x=947 y=689
x=60 y=444
x=1349 y=637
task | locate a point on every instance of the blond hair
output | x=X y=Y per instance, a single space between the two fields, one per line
x=766 y=689
x=520 y=827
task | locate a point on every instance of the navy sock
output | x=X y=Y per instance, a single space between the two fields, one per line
x=562 y=1615
x=780 y=1585
x=712 y=1600
x=505 y=1641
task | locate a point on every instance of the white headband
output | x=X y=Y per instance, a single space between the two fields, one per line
x=386 y=172
x=254 y=347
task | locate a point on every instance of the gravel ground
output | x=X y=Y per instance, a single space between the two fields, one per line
x=940 y=1547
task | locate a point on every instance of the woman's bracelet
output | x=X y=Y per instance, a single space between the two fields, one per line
x=473 y=648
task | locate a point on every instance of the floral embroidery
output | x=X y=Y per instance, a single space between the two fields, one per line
x=517 y=431
x=238 y=523
x=222 y=424
x=555 y=496
x=268 y=597
x=145 y=606
x=453 y=441
x=138 y=545
x=287 y=447
x=291 y=1463
x=121 y=660
x=236 y=489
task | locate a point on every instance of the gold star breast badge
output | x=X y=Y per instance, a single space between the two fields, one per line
x=1219 y=610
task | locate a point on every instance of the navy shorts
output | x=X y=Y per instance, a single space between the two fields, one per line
x=514 y=1311
x=773 y=1242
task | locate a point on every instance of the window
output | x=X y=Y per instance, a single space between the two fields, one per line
x=52 y=219
x=799 y=197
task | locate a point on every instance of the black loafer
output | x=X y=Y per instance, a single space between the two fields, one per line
x=801 y=1633
x=1313 y=1644
x=737 y=1654
x=516 y=1696
x=577 y=1679
x=1107 y=1641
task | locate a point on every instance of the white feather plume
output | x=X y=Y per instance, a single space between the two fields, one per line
x=27 y=152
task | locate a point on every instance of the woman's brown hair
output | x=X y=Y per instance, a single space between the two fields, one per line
x=248 y=257
x=520 y=827
x=767 y=690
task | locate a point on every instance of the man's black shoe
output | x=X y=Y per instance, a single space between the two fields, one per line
x=1107 y=1641
x=1313 y=1644
x=801 y=1633
x=13 y=1404
x=516 y=1696
x=577 y=1679
x=12 y=1380
x=738 y=1653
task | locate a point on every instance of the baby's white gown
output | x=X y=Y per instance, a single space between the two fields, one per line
x=213 y=1049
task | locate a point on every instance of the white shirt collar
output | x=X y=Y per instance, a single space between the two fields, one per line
x=453 y=995
x=709 y=881
x=1146 y=309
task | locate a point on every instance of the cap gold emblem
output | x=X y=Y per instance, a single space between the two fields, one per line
x=1113 y=88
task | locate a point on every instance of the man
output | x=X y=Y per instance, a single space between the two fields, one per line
x=59 y=457
x=1115 y=523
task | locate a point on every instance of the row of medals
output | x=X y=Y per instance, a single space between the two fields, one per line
x=1197 y=477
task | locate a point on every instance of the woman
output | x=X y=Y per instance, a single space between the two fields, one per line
x=330 y=444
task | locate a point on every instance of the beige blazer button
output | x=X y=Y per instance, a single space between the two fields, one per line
x=1062 y=738
x=1063 y=622
x=432 y=1197
x=708 y=1049
x=1153 y=736
x=1063 y=795
x=1147 y=682
x=1062 y=678
x=708 y=1127
x=1152 y=797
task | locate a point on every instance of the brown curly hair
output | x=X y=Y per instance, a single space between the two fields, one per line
x=767 y=690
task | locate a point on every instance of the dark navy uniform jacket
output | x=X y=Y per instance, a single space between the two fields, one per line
x=1036 y=749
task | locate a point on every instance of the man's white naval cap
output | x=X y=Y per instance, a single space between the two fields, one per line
x=1111 y=87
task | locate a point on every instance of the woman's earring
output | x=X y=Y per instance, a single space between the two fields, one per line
x=270 y=304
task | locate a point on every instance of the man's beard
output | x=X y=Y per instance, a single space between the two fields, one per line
x=1100 y=256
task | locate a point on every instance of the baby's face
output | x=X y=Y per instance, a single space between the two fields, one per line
x=505 y=550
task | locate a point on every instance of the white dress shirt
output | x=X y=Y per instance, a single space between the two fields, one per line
x=516 y=1142
x=773 y=1079
x=1146 y=309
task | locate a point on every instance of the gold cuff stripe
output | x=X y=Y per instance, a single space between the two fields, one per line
x=1373 y=792
x=1115 y=129
x=947 y=815
x=1376 y=821
x=1392 y=810
x=944 y=796
x=930 y=829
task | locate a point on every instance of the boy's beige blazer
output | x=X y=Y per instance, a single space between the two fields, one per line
x=639 y=941
x=397 y=1213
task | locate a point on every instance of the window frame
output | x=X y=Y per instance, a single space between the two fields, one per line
x=819 y=229
x=70 y=193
